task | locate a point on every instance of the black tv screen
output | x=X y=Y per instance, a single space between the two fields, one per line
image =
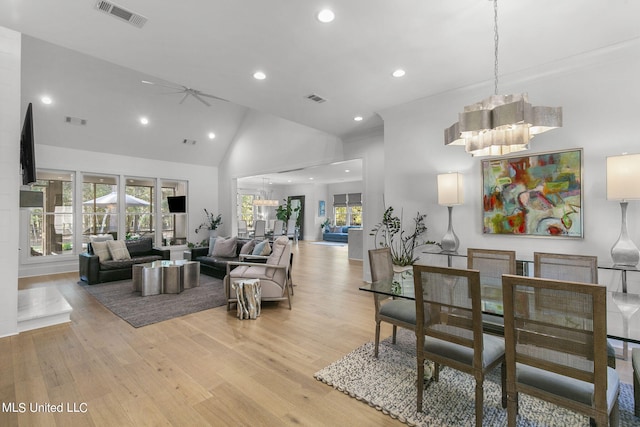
x=177 y=204
x=27 y=149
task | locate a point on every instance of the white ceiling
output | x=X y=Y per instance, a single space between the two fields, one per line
x=215 y=46
x=346 y=171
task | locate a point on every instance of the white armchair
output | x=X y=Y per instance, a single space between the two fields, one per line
x=274 y=276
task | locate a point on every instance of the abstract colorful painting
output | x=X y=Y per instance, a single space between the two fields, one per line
x=533 y=195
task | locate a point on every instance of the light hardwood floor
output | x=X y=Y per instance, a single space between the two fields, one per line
x=207 y=368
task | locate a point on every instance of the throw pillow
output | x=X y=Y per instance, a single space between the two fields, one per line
x=225 y=248
x=101 y=238
x=262 y=248
x=212 y=244
x=118 y=250
x=102 y=250
x=278 y=249
x=247 y=248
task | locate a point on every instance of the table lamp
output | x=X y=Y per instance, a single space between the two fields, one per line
x=623 y=176
x=449 y=195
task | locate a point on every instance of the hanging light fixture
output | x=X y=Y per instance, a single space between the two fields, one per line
x=262 y=199
x=500 y=124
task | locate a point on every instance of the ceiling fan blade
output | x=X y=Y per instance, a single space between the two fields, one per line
x=212 y=96
x=183 y=98
x=179 y=88
x=197 y=96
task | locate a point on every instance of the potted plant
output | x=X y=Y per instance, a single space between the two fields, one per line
x=283 y=212
x=325 y=225
x=212 y=222
x=390 y=233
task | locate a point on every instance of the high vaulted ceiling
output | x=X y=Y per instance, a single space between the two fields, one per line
x=215 y=46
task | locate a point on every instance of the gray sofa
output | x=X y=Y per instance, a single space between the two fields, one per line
x=215 y=266
x=92 y=271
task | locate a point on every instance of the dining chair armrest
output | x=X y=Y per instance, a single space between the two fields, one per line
x=255 y=258
x=254 y=264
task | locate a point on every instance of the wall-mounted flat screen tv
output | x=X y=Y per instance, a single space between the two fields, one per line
x=177 y=204
x=27 y=149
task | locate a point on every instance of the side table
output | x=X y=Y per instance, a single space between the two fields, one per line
x=165 y=277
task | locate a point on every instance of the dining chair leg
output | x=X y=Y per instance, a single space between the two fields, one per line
x=395 y=332
x=614 y=416
x=479 y=400
x=512 y=409
x=375 y=351
x=503 y=381
x=420 y=384
x=436 y=371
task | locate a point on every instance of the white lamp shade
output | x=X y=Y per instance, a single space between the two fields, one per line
x=623 y=177
x=450 y=189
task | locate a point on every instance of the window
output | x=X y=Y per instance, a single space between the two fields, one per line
x=56 y=229
x=340 y=215
x=99 y=206
x=174 y=225
x=347 y=209
x=51 y=227
x=356 y=215
x=139 y=203
x=245 y=208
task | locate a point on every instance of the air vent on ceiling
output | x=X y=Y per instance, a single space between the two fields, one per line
x=189 y=141
x=75 y=121
x=291 y=170
x=119 y=12
x=315 y=98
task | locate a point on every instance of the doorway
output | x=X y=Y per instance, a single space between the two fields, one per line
x=298 y=214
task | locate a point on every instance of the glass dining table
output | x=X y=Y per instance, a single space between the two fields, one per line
x=622 y=324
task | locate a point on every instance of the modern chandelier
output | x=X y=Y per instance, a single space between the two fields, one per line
x=500 y=124
x=262 y=199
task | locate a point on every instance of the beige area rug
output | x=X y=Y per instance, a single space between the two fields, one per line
x=138 y=311
x=388 y=385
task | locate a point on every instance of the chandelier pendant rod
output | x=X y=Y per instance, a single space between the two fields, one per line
x=495 y=49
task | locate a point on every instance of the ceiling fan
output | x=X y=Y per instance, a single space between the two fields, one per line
x=188 y=91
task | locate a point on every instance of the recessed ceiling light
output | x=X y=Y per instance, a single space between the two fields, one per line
x=259 y=75
x=311 y=178
x=144 y=120
x=347 y=170
x=358 y=118
x=325 y=16
x=46 y=100
x=212 y=135
x=398 y=73
x=288 y=180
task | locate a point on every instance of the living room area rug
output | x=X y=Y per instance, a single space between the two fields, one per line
x=138 y=311
x=388 y=385
x=323 y=243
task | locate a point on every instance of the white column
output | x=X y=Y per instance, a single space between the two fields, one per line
x=10 y=111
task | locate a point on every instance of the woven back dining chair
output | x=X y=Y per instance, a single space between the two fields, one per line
x=574 y=268
x=557 y=352
x=397 y=312
x=449 y=315
x=259 y=229
x=492 y=264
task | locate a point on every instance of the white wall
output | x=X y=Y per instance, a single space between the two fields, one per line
x=370 y=147
x=9 y=176
x=598 y=93
x=266 y=143
x=202 y=184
